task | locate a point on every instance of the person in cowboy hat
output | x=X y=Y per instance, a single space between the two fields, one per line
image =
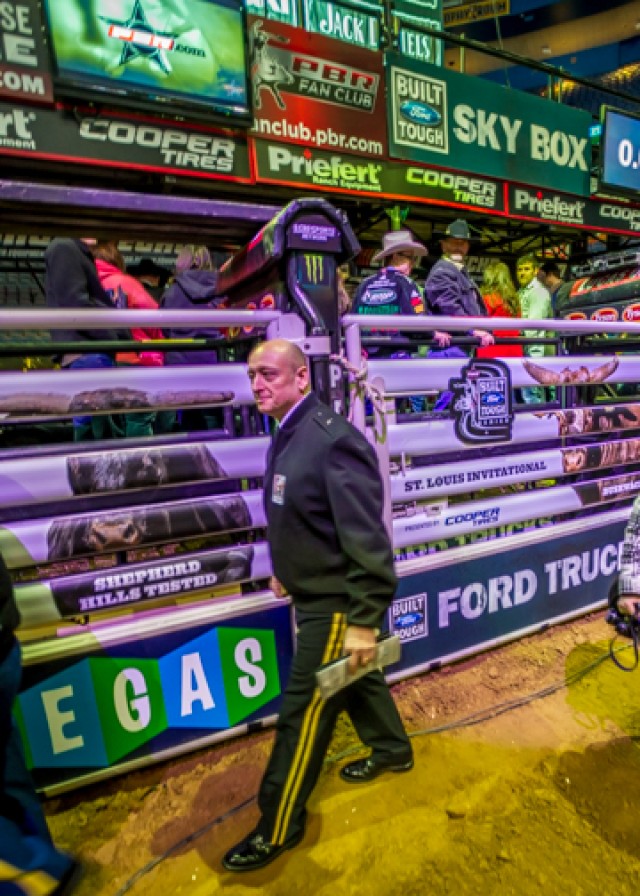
x=451 y=291
x=392 y=290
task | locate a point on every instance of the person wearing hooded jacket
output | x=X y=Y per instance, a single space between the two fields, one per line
x=194 y=286
x=127 y=292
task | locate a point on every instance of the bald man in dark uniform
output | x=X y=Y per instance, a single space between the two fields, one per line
x=331 y=553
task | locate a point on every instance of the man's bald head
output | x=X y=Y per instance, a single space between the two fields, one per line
x=279 y=376
x=287 y=351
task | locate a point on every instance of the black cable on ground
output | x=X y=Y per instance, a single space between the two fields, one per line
x=473 y=719
x=185 y=840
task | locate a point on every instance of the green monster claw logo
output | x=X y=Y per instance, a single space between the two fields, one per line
x=314 y=266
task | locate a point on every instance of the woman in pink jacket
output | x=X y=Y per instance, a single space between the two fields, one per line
x=127 y=292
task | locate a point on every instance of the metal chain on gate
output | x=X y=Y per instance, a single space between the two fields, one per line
x=361 y=388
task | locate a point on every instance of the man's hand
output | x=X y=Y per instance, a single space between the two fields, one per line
x=442 y=339
x=278 y=588
x=628 y=603
x=484 y=336
x=359 y=645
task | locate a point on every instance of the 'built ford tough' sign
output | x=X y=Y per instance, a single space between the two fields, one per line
x=456 y=121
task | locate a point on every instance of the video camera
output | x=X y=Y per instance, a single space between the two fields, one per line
x=626 y=626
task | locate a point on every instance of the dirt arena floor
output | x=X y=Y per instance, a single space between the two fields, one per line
x=527 y=782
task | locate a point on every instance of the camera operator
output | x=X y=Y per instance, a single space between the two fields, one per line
x=628 y=591
x=624 y=595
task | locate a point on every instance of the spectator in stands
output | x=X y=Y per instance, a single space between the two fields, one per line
x=193 y=286
x=550 y=276
x=152 y=276
x=535 y=304
x=501 y=300
x=450 y=291
x=29 y=862
x=393 y=291
x=126 y=291
x=71 y=281
x=344 y=299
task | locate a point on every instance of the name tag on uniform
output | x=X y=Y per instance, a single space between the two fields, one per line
x=277 y=493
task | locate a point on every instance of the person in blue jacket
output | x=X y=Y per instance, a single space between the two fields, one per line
x=29 y=862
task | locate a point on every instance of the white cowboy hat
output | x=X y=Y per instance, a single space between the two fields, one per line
x=399 y=241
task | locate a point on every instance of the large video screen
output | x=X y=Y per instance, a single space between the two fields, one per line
x=176 y=57
x=620 y=152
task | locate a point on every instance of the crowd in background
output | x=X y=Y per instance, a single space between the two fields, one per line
x=93 y=274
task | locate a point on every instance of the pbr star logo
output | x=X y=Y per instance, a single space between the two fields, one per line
x=482 y=403
x=140 y=39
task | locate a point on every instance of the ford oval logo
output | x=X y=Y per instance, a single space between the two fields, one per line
x=407 y=619
x=492 y=398
x=420 y=113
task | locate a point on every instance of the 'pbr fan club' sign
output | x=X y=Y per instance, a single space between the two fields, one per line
x=316 y=91
x=124 y=142
x=444 y=118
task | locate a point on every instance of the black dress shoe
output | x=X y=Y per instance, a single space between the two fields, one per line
x=255 y=852
x=370 y=768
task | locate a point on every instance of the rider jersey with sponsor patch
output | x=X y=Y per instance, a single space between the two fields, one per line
x=388 y=292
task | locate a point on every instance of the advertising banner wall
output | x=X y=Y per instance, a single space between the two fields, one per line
x=358 y=23
x=315 y=91
x=413 y=42
x=24 y=65
x=64 y=476
x=323 y=170
x=433 y=481
x=402 y=374
x=164 y=691
x=417 y=439
x=561 y=208
x=83 y=391
x=447 y=610
x=138 y=583
x=440 y=117
x=29 y=542
x=435 y=524
x=125 y=142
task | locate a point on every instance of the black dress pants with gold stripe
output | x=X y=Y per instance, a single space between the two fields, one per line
x=306 y=722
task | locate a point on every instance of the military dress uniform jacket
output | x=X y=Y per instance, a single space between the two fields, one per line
x=323 y=501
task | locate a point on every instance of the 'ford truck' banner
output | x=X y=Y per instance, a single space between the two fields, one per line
x=448 y=609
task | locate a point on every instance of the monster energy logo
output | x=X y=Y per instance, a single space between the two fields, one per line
x=314 y=268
